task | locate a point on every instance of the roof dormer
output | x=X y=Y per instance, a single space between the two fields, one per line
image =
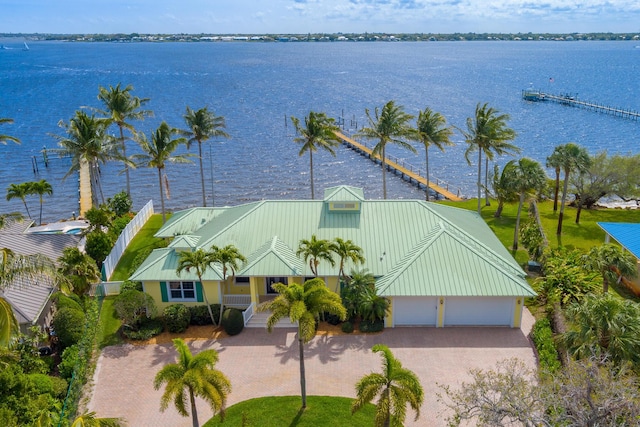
x=343 y=199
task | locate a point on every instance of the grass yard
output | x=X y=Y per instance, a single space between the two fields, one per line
x=285 y=411
x=109 y=325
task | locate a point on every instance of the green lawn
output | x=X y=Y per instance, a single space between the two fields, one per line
x=283 y=411
x=109 y=325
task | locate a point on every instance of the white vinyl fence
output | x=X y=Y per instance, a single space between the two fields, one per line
x=125 y=238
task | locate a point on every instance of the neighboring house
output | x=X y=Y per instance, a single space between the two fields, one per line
x=438 y=265
x=627 y=234
x=31 y=299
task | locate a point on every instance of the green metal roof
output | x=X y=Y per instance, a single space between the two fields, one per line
x=343 y=193
x=186 y=221
x=162 y=265
x=185 y=242
x=421 y=246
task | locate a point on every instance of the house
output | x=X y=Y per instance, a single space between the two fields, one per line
x=30 y=298
x=438 y=265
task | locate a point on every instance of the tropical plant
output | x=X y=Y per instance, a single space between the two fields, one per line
x=228 y=258
x=176 y=318
x=319 y=131
x=555 y=161
x=487 y=133
x=20 y=191
x=314 y=250
x=395 y=387
x=41 y=188
x=132 y=307
x=373 y=307
x=203 y=124
x=198 y=261
x=303 y=304
x=69 y=326
x=120 y=204
x=89 y=419
x=528 y=180
x=502 y=186
x=347 y=250
x=8 y=324
x=121 y=107
x=431 y=130
x=572 y=158
x=388 y=126
x=98 y=245
x=604 y=325
x=611 y=262
x=79 y=269
x=193 y=376
x=158 y=151
x=5 y=138
x=87 y=142
x=360 y=284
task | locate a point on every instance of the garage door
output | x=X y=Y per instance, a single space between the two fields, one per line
x=415 y=311
x=478 y=311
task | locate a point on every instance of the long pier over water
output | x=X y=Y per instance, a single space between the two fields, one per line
x=573 y=101
x=407 y=171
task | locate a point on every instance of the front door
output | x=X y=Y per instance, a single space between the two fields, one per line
x=271 y=280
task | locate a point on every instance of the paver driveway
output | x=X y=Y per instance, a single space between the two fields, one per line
x=261 y=364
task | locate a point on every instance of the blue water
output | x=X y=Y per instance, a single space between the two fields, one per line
x=255 y=85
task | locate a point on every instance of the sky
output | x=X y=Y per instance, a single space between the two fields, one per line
x=318 y=16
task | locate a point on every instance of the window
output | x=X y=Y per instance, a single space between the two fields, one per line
x=242 y=280
x=182 y=291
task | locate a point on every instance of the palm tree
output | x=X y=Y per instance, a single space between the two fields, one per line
x=159 y=151
x=9 y=327
x=86 y=142
x=41 y=188
x=528 y=180
x=5 y=138
x=198 y=261
x=432 y=130
x=572 y=158
x=606 y=325
x=228 y=258
x=79 y=269
x=611 y=262
x=303 y=304
x=89 y=419
x=203 y=124
x=198 y=377
x=20 y=191
x=396 y=386
x=315 y=250
x=388 y=125
x=120 y=107
x=347 y=250
x=488 y=133
x=554 y=161
x=502 y=186
x=319 y=131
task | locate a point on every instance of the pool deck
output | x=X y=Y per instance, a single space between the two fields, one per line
x=58 y=227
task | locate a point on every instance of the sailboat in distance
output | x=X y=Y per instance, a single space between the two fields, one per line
x=26 y=46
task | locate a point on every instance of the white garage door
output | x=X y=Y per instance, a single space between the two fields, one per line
x=478 y=311
x=415 y=311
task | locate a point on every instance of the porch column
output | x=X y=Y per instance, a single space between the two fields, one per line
x=253 y=289
x=441 y=306
x=517 y=312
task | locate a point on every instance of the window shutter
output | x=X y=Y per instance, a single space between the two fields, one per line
x=199 y=292
x=163 y=291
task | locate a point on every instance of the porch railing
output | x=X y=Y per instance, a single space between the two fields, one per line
x=248 y=313
x=240 y=301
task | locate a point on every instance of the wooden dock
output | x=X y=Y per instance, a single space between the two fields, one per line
x=407 y=171
x=573 y=101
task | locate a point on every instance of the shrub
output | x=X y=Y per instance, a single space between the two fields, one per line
x=98 y=245
x=232 y=321
x=68 y=325
x=177 y=318
x=120 y=203
x=147 y=329
x=69 y=360
x=117 y=226
x=375 y=326
x=60 y=386
x=347 y=327
x=133 y=306
x=129 y=285
x=332 y=319
x=199 y=315
x=64 y=301
x=42 y=383
x=542 y=337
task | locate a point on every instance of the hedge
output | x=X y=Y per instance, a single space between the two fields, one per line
x=542 y=337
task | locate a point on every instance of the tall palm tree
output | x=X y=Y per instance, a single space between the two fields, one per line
x=5 y=138
x=195 y=375
x=396 y=387
x=41 y=188
x=319 y=131
x=555 y=161
x=121 y=107
x=228 y=258
x=89 y=419
x=611 y=262
x=86 y=141
x=302 y=304
x=20 y=191
x=314 y=250
x=487 y=133
x=159 y=151
x=198 y=261
x=431 y=130
x=528 y=180
x=347 y=250
x=203 y=124
x=573 y=158
x=388 y=126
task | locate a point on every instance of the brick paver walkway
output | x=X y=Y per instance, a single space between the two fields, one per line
x=261 y=364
